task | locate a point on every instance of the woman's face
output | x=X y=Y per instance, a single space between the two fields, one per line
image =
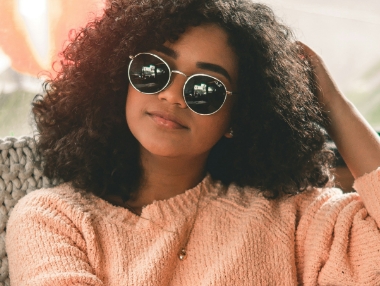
x=162 y=123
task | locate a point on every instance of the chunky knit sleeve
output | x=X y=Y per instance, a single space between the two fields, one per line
x=338 y=237
x=46 y=245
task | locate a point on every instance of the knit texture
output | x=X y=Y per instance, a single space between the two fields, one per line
x=19 y=175
x=321 y=237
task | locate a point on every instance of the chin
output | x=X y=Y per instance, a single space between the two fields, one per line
x=162 y=150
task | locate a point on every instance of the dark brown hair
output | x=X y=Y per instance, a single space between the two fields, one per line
x=278 y=147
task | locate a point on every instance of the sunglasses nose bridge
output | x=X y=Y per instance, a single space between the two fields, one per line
x=179 y=72
x=173 y=93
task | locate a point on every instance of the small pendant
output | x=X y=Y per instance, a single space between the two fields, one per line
x=182 y=254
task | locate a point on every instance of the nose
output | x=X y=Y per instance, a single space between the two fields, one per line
x=173 y=93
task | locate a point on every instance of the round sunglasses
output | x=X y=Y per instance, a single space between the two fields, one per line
x=202 y=93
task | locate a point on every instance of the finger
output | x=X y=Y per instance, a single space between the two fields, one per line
x=310 y=54
x=306 y=49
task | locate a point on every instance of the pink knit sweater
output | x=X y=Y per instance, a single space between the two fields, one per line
x=320 y=237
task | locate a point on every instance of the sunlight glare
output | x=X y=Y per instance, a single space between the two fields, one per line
x=32 y=9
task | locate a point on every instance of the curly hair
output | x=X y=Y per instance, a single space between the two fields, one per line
x=278 y=145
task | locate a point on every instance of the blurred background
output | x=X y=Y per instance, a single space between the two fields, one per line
x=346 y=33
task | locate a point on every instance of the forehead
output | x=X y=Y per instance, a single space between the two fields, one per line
x=205 y=43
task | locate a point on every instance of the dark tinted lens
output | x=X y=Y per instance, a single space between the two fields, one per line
x=204 y=94
x=148 y=73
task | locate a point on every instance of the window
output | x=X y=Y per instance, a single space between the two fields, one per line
x=32 y=32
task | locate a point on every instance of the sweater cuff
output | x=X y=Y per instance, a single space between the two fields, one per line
x=368 y=187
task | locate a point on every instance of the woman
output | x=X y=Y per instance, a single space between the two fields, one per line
x=188 y=136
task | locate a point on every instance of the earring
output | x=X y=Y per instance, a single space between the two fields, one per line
x=231 y=132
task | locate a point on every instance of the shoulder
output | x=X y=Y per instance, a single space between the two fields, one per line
x=63 y=200
x=330 y=200
x=55 y=212
x=78 y=206
x=246 y=200
x=55 y=196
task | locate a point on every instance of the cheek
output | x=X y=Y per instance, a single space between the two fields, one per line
x=210 y=130
x=132 y=108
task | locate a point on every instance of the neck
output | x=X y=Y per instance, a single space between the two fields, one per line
x=167 y=177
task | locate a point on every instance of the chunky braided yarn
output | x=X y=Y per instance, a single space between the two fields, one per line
x=19 y=175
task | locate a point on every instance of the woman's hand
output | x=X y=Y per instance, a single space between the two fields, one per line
x=328 y=92
x=355 y=139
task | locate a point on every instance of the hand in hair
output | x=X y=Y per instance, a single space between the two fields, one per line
x=355 y=139
x=327 y=90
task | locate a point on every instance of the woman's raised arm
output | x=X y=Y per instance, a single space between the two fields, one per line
x=355 y=139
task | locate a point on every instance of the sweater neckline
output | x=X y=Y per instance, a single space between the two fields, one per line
x=181 y=205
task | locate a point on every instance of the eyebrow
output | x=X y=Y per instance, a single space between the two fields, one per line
x=202 y=65
x=167 y=51
x=214 y=68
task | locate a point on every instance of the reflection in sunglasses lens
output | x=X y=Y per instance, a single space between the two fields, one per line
x=204 y=95
x=148 y=74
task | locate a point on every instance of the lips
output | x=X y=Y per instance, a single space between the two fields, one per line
x=166 y=120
